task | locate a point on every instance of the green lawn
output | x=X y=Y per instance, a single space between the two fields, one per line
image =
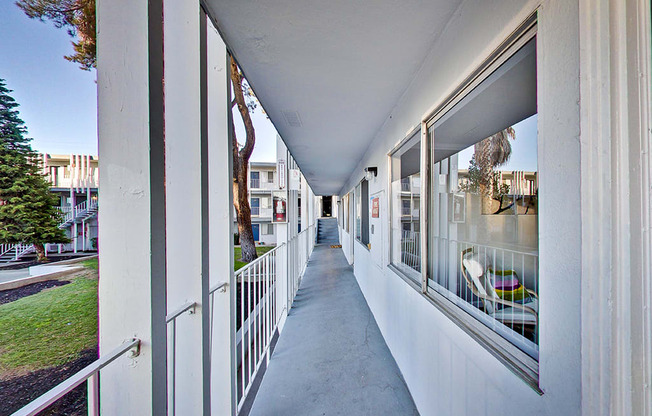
x=91 y=264
x=49 y=328
x=237 y=255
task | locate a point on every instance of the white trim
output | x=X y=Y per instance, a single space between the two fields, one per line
x=616 y=217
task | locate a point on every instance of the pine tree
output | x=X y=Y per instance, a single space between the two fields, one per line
x=27 y=208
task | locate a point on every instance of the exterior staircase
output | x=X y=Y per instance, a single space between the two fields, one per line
x=327 y=231
x=77 y=214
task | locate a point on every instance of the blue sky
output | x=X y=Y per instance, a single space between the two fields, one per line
x=58 y=101
x=524 y=148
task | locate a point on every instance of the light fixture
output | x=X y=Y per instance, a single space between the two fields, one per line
x=371 y=172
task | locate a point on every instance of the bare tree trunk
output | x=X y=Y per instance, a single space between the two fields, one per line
x=40 y=253
x=241 y=170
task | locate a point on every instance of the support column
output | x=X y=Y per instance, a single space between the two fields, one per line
x=220 y=208
x=132 y=299
x=615 y=79
x=187 y=275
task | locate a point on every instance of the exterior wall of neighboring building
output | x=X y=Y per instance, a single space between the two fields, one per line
x=263 y=179
x=74 y=179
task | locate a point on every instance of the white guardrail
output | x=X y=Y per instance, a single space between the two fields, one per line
x=265 y=290
x=89 y=373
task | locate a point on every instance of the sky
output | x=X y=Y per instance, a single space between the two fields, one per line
x=524 y=148
x=58 y=101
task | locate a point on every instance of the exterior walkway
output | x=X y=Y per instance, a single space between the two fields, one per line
x=331 y=358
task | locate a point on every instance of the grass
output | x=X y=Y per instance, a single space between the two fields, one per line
x=237 y=255
x=91 y=264
x=49 y=328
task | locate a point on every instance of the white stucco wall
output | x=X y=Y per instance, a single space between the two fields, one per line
x=447 y=371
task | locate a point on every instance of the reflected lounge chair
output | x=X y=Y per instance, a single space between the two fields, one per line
x=475 y=267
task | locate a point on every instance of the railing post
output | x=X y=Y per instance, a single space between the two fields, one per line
x=93 y=387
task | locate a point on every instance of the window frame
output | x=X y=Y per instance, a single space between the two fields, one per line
x=251 y=179
x=519 y=362
x=364 y=213
x=251 y=206
x=416 y=283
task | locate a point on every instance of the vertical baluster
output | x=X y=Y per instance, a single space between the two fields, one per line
x=267 y=306
x=173 y=383
x=242 y=331
x=524 y=294
x=254 y=312
x=93 y=387
x=249 y=351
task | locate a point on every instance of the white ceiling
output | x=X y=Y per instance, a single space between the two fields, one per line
x=340 y=65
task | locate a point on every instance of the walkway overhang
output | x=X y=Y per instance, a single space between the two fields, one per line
x=329 y=73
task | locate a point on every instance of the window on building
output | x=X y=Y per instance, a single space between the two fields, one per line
x=255 y=206
x=268 y=229
x=483 y=234
x=405 y=206
x=255 y=179
x=270 y=177
x=362 y=212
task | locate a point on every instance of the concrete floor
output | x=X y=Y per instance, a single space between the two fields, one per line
x=331 y=358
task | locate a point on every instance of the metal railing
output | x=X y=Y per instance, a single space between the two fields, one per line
x=411 y=249
x=90 y=373
x=257 y=315
x=265 y=289
x=68 y=216
x=504 y=263
x=171 y=321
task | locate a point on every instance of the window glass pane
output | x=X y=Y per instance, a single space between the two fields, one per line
x=405 y=208
x=483 y=228
x=270 y=176
x=255 y=206
x=364 y=200
x=358 y=212
x=255 y=179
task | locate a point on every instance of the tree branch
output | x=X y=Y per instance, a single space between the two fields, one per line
x=236 y=78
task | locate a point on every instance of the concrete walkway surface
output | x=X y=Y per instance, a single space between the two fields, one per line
x=331 y=358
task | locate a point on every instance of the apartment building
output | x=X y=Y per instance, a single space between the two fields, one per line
x=532 y=298
x=74 y=179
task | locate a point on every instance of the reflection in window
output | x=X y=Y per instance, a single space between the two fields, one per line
x=483 y=230
x=405 y=209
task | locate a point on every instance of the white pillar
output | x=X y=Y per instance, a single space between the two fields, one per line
x=132 y=259
x=220 y=200
x=186 y=205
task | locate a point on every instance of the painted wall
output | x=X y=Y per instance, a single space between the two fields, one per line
x=447 y=371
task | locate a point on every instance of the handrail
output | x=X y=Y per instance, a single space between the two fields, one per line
x=66 y=386
x=217 y=287
x=186 y=306
x=258 y=260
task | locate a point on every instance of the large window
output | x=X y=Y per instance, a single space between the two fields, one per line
x=483 y=226
x=406 y=207
x=255 y=206
x=362 y=212
x=255 y=179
